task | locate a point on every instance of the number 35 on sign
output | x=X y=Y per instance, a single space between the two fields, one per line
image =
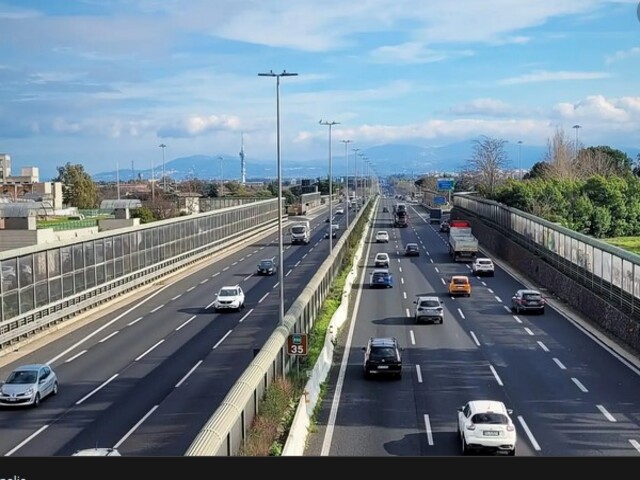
x=297 y=344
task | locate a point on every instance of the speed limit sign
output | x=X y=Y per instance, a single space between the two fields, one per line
x=297 y=344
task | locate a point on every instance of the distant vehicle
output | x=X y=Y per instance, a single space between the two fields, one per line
x=339 y=211
x=380 y=277
x=382 y=356
x=460 y=285
x=528 y=300
x=334 y=231
x=385 y=210
x=486 y=425
x=435 y=215
x=412 y=250
x=381 y=260
x=300 y=232
x=28 y=385
x=382 y=236
x=267 y=266
x=97 y=452
x=444 y=226
x=483 y=266
x=229 y=298
x=428 y=309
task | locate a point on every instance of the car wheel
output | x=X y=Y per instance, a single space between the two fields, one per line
x=36 y=401
x=54 y=391
x=441 y=321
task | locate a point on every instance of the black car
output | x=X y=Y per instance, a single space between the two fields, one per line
x=412 y=250
x=267 y=267
x=385 y=210
x=382 y=357
x=444 y=227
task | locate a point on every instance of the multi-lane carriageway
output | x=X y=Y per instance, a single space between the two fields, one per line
x=573 y=393
x=146 y=376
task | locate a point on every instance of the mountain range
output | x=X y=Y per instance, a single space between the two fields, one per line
x=387 y=159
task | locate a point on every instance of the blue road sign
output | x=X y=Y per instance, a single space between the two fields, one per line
x=445 y=184
x=439 y=200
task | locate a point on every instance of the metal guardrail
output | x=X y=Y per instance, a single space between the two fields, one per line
x=227 y=429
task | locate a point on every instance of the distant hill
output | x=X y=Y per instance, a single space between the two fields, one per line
x=385 y=159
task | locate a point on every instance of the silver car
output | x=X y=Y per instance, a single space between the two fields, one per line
x=28 y=385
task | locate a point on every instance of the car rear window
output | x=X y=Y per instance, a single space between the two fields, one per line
x=380 y=275
x=490 y=418
x=532 y=296
x=429 y=303
x=460 y=281
x=378 y=353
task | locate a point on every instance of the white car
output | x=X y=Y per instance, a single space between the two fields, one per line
x=339 y=211
x=229 y=298
x=97 y=452
x=382 y=236
x=28 y=385
x=486 y=425
x=381 y=260
x=483 y=266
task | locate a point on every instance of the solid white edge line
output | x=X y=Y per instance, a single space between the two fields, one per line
x=95 y=390
x=532 y=439
x=135 y=427
x=25 y=441
x=188 y=374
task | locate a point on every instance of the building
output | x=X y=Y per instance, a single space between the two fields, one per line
x=27 y=186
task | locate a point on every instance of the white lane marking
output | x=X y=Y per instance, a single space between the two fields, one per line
x=413 y=337
x=498 y=299
x=419 y=373
x=311 y=249
x=543 y=346
x=242 y=259
x=495 y=374
x=431 y=259
x=443 y=282
x=204 y=281
x=185 y=323
x=437 y=270
x=109 y=336
x=490 y=291
x=209 y=306
x=559 y=363
x=134 y=321
x=276 y=285
x=221 y=340
x=460 y=312
x=579 y=384
x=296 y=264
x=190 y=289
x=402 y=280
x=75 y=356
x=404 y=294
x=257 y=250
x=135 y=427
x=234 y=264
x=246 y=315
x=304 y=256
x=26 y=440
x=247 y=277
x=263 y=297
x=427 y=426
x=225 y=269
x=96 y=390
x=507 y=308
x=532 y=439
x=400 y=269
x=288 y=273
x=176 y=297
x=606 y=413
x=635 y=444
x=475 y=339
x=215 y=274
x=249 y=254
x=149 y=350
x=407 y=312
x=517 y=319
x=484 y=284
x=157 y=308
x=188 y=373
x=106 y=325
x=528 y=330
x=429 y=254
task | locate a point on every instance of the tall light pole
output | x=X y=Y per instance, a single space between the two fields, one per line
x=164 y=178
x=280 y=234
x=330 y=124
x=576 y=127
x=346 y=182
x=520 y=158
x=355 y=174
x=221 y=177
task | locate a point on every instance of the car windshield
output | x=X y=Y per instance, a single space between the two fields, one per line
x=228 y=292
x=379 y=353
x=22 y=377
x=490 y=418
x=297 y=229
x=429 y=303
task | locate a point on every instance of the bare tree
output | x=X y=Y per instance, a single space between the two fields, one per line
x=592 y=162
x=561 y=152
x=488 y=162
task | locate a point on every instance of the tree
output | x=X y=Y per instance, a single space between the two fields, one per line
x=78 y=188
x=538 y=170
x=602 y=160
x=488 y=161
x=560 y=155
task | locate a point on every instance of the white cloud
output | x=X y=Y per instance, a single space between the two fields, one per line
x=597 y=109
x=622 y=55
x=546 y=76
x=412 y=53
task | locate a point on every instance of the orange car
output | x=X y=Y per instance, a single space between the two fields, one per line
x=460 y=285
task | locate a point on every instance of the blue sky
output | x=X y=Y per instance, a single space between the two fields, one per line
x=105 y=82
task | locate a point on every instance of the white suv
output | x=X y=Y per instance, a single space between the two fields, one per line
x=382 y=236
x=486 y=425
x=429 y=309
x=229 y=298
x=483 y=266
x=382 y=260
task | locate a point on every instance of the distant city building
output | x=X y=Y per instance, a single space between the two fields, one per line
x=27 y=186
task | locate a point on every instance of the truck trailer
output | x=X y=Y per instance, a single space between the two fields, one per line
x=463 y=245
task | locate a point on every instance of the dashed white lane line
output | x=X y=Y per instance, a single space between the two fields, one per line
x=75 y=356
x=247 y=277
x=134 y=321
x=221 y=340
x=407 y=313
x=490 y=291
x=559 y=363
x=263 y=297
x=225 y=269
x=526 y=429
x=543 y=346
x=419 y=373
x=135 y=427
x=182 y=380
x=412 y=337
x=475 y=339
x=176 y=297
x=634 y=444
x=498 y=299
x=528 y=330
x=246 y=315
x=26 y=440
x=431 y=259
x=215 y=274
x=517 y=319
x=157 y=308
x=149 y=350
x=604 y=411
x=288 y=273
x=185 y=323
x=495 y=374
x=276 y=285
x=204 y=281
x=579 y=385
x=402 y=280
x=461 y=314
x=507 y=308
x=96 y=390
x=427 y=426
x=190 y=288
x=109 y=336
x=297 y=263
x=443 y=282
x=437 y=270
x=404 y=294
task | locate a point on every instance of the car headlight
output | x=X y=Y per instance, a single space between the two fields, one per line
x=30 y=391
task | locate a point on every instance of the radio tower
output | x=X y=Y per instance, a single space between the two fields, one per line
x=243 y=166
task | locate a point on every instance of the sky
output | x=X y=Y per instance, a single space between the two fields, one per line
x=104 y=83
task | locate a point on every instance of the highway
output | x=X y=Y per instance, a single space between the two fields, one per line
x=146 y=376
x=571 y=394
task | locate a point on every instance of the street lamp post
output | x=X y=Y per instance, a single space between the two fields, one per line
x=221 y=178
x=355 y=175
x=576 y=128
x=164 y=178
x=330 y=124
x=280 y=234
x=346 y=182
x=520 y=158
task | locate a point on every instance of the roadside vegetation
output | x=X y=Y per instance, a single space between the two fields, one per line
x=268 y=433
